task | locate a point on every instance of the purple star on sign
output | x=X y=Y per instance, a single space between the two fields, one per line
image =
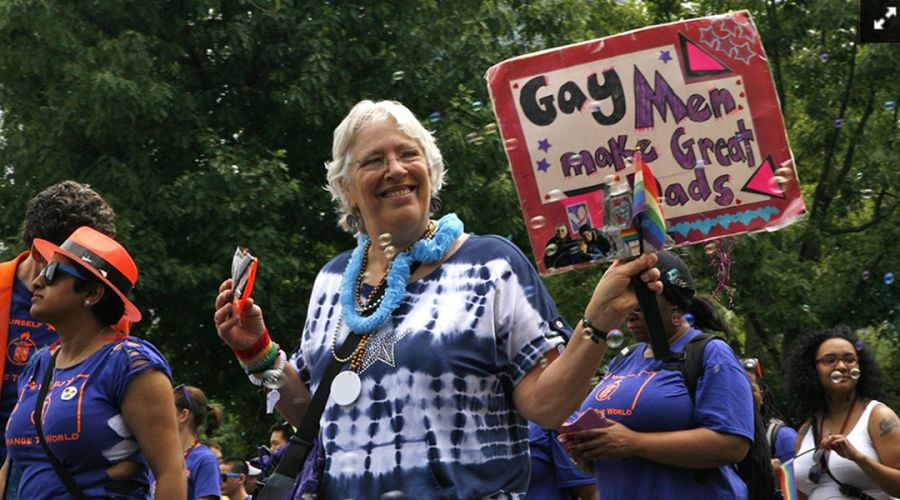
x=544 y=145
x=664 y=56
x=543 y=166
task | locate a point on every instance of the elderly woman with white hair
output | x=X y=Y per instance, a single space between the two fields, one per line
x=457 y=331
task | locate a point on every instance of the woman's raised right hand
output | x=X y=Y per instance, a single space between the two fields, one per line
x=239 y=329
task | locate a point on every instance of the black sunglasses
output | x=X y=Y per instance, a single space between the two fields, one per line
x=49 y=272
x=820 y=462
x=225 y=475
x=187 y=396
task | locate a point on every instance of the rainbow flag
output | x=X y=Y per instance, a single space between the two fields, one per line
x=786 y=481
x=647 y=215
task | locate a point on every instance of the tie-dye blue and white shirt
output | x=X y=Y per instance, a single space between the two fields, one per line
x=435 y=418
x=82 y=424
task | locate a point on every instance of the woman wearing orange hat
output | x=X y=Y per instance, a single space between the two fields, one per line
x=101 y=401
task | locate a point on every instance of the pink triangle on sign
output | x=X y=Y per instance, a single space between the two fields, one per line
x=763 y=181
x=701 y=61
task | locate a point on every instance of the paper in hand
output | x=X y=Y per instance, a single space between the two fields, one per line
x=589 y=419
x=243 y=274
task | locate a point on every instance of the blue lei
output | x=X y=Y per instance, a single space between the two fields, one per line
x=425 y=250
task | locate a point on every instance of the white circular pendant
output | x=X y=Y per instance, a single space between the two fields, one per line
x=345 y=388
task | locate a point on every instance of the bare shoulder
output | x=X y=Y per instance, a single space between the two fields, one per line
x=883 y=423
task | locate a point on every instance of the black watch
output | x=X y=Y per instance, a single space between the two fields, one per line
x=590 y=332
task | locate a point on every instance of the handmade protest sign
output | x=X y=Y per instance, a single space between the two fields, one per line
x=695 y=98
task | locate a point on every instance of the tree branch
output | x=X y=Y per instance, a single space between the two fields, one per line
x=877 y=217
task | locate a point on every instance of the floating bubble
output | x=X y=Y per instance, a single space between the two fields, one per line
x=385 y=239
x=390 y=251
x=551 y=249
x=837 y=377
x=586 y=334
x=710 y=248
x=398 y=75
x=575 y=161
x=825 y=57
x=490 y=129
x=866 y=193
x=839 y=123
x=855 y=373
x=476 y=106
x=544 y=363
x=609 y=179
x=888 y=279
x=889 y=105
x=392 y=494
x=689 y=318
x=866 y=275
x=274 y=379
x=511 y=143
x=555 y=195
x=474 y=138
x=537 y=222
x=805 y=308
x=434 y=117
x=615 y=338
x=529 y=291
x=776 y=183
x=785 y=172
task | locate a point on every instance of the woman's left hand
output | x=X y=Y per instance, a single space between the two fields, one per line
x=615 y=441
x=842 y=446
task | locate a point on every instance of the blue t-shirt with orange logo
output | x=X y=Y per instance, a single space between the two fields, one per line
x=640 y=394
x=204 y=479
x=26 y=336
x=82 y=426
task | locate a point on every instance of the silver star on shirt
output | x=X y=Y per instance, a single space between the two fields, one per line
x=381 y=346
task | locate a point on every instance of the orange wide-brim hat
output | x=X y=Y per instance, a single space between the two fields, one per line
x=104 y=257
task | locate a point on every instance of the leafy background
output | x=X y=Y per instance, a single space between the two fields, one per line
x=206 y=124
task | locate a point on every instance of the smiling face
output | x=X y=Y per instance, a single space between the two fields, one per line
x=389 y=182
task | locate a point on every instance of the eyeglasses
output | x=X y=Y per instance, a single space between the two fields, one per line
x=820 y=462
x=49 y=272
x=832 y=359
x=225 y=475
x=187 y=396
x=378 y=161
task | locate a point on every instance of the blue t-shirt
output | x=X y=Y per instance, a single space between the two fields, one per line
x=82 y=423
x=638 y=393
x=435 y=417
x=204 y=478
x=26 y=336
x=785 y=444
x=552 y=471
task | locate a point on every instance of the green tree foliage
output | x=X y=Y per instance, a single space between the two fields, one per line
x=206 y=125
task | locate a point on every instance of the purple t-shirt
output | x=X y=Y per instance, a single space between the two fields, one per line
x=26 y=336
x=785 y=444
x=82 y=423
x=552 y=471
x=204 y=479
x=640 y=394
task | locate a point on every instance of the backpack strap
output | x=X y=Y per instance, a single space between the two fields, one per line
x=624 y=353
x=691 y=360
x=772 y=429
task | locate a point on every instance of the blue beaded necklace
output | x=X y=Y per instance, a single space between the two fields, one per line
x=449 y=228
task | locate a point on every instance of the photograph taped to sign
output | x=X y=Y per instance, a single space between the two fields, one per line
x=695 y=98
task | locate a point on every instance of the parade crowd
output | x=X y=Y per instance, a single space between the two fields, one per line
x=433 y=363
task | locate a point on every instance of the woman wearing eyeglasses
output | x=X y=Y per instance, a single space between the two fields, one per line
x=101 y=400
x=850 y=445
x=452 y=329
x=193 y=411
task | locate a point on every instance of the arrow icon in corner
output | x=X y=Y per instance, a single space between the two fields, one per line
x=879 y=24
x=891 y=12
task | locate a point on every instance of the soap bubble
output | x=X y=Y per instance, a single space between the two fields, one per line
x=490 y=129
x=551 y=249
x=837 y=377
x=889 y=279
x=385 y=239
x=476 y=106
x=839 y=123
x=398 y=75
x=889 y=105
x=434 y=117
x=615 y=338
x=537 y=222
x=825 y=57
x=390 y=251
x=474 y=138
x=855 y=373
x=511 y=143
x=866 y=275
x=689 y=318
x=866 y=193
x=555 y=195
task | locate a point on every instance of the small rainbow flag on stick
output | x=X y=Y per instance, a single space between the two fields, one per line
x=786 y=481
x=648 y=216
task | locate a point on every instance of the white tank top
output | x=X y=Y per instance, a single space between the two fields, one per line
x=844 y=470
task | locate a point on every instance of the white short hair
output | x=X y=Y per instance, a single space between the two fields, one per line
x=364 y=113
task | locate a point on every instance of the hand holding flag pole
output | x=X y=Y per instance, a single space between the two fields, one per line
x=650 y=224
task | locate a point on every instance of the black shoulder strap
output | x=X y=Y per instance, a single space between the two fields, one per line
x=70 y=484
x=692 y=360
x=624 y=353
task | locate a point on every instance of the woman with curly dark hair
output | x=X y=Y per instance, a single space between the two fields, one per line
x=835 y=384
